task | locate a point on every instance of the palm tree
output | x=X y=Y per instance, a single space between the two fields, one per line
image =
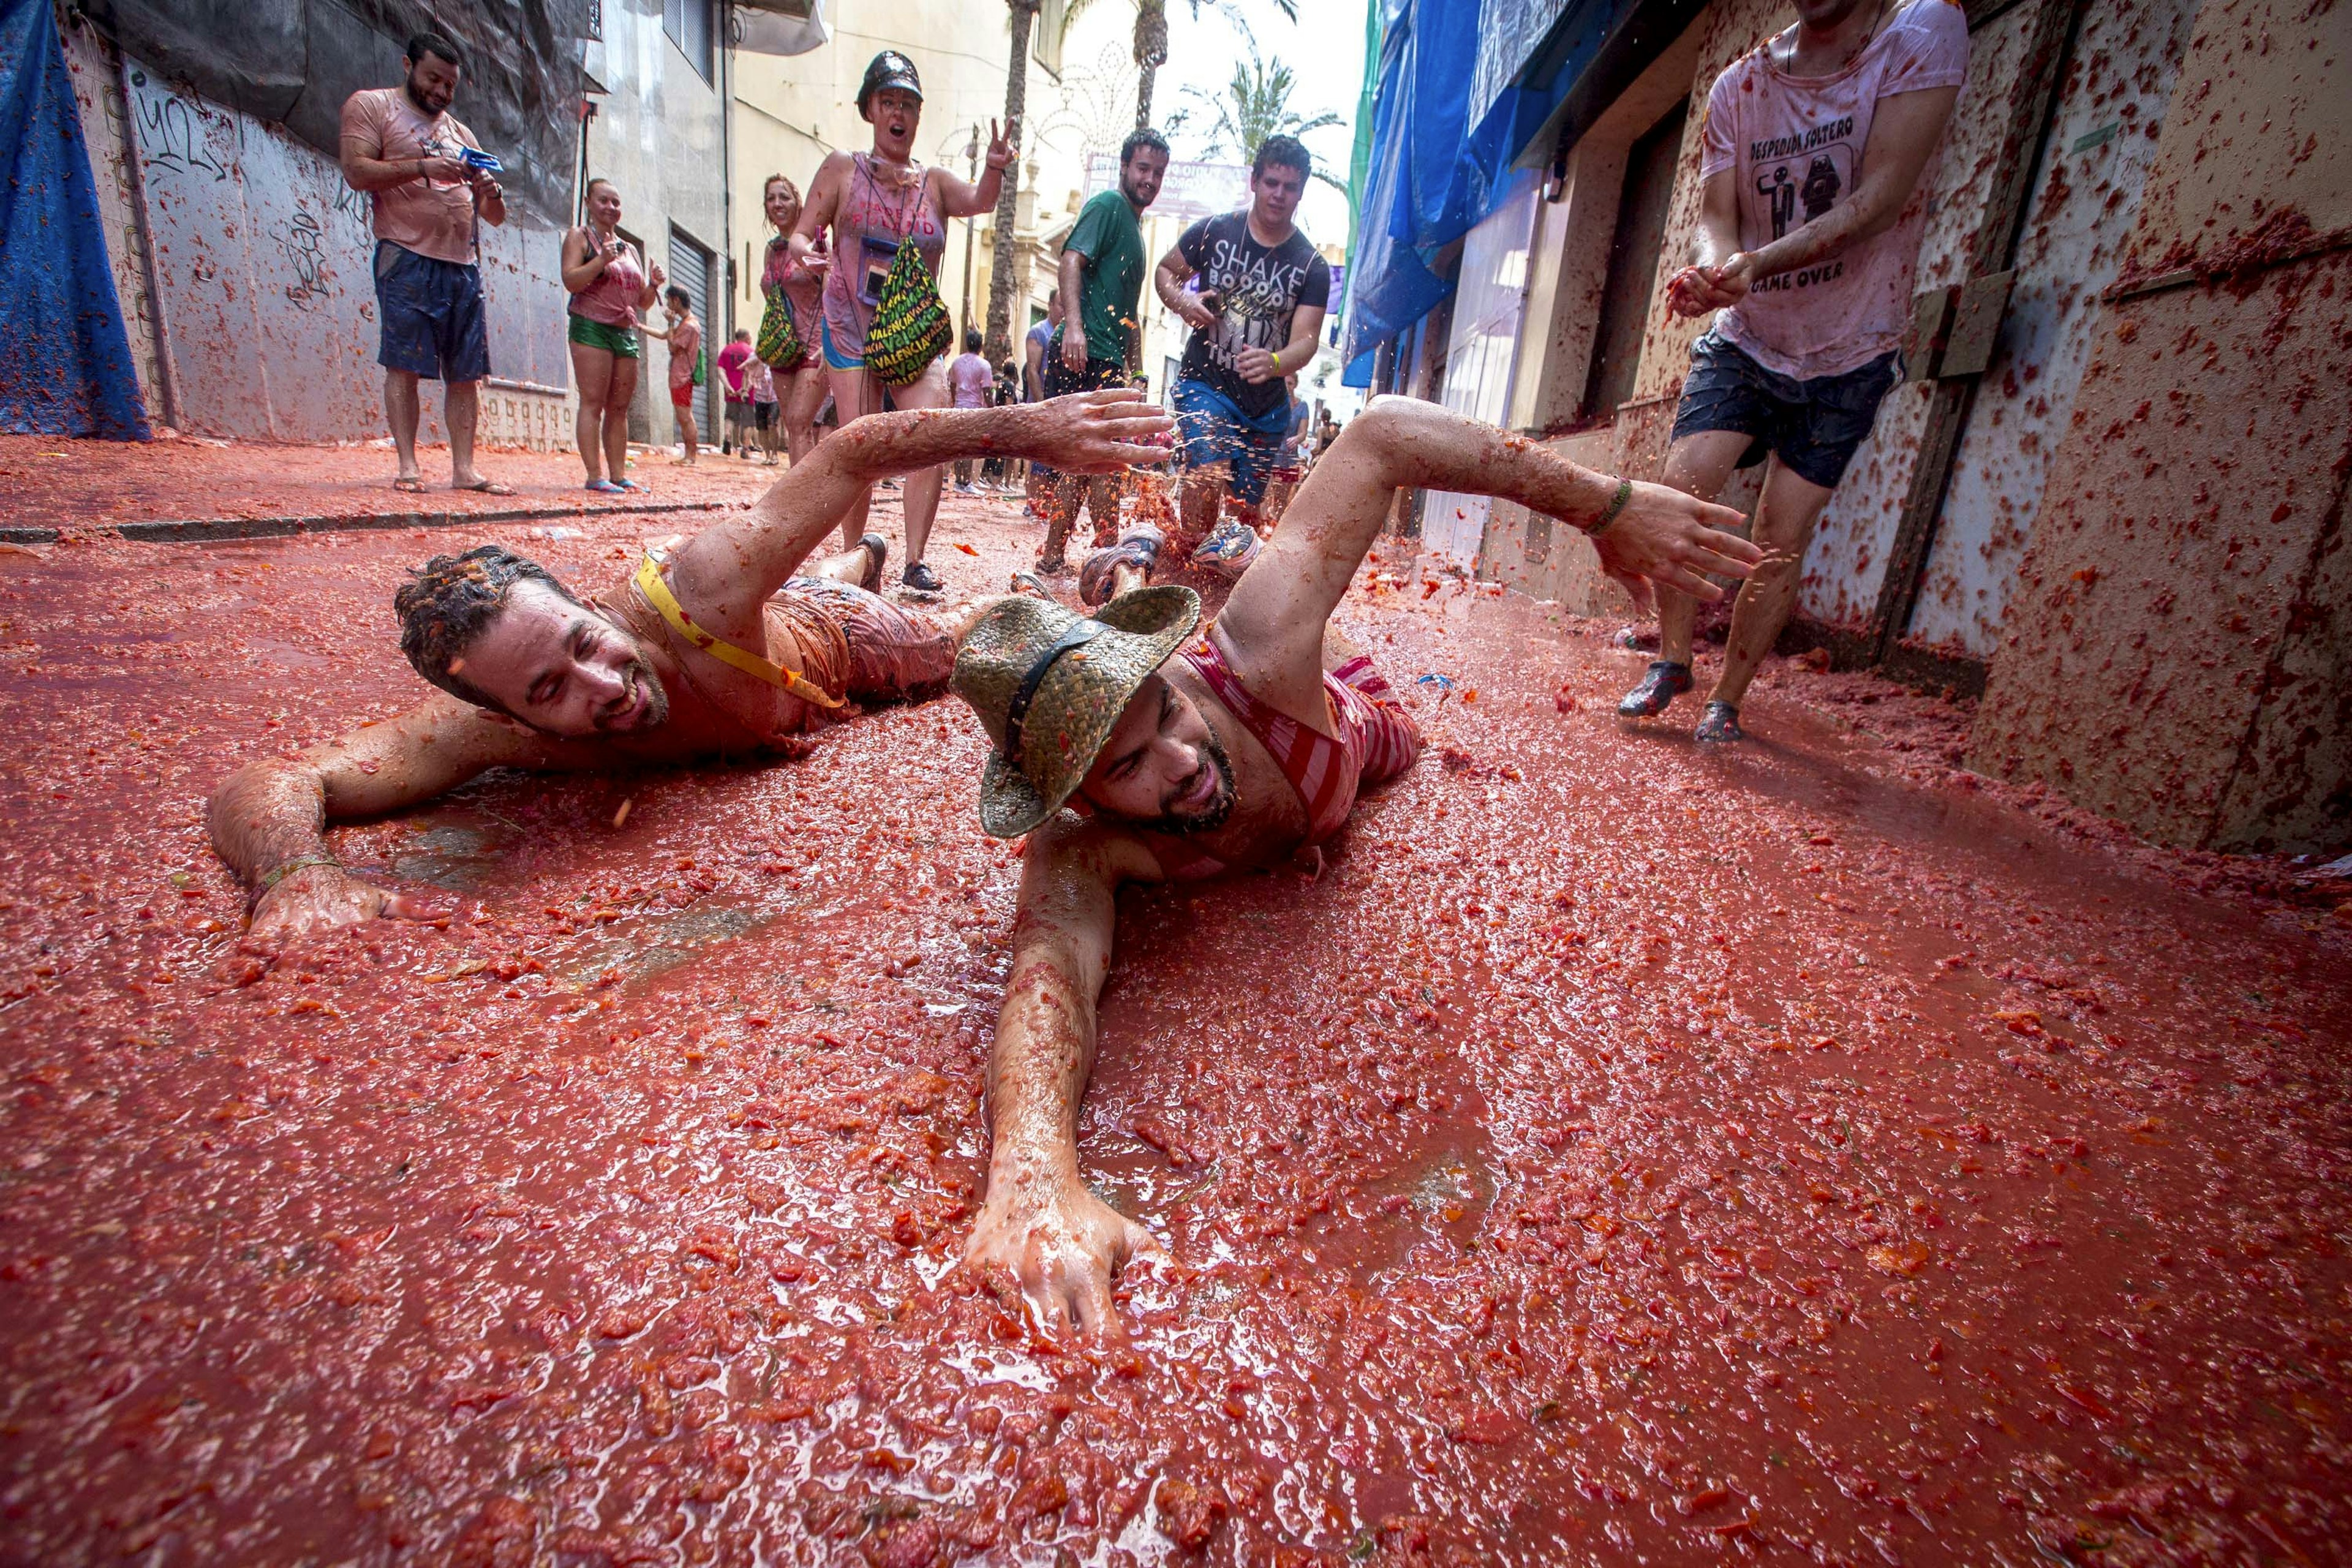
x=1255 y=107
x=1016 y=105
x=1151 y=38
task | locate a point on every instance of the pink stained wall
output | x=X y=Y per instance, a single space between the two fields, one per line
x=2176 y=647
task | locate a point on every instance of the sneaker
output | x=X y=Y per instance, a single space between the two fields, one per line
x=1229 y=549
x=1666 y=682
x=920 y=578
x=874 y=545
x=1720 y=724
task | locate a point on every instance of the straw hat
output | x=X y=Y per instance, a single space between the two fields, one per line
x=1049 y=685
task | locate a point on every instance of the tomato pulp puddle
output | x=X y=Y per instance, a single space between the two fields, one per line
x=1618 y=1153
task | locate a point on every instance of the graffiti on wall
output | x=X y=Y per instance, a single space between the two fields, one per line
x=261 y=256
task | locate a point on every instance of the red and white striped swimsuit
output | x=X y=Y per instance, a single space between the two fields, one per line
x=1377 y=739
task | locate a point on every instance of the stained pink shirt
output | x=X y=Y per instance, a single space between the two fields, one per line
x=430 y=217
x=612 y=296
x=1795 y=146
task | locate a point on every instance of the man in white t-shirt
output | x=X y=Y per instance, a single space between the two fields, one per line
x=1814 y=142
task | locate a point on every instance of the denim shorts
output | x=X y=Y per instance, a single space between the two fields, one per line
x=1212 y=429
x=432 y=317
x=1814 y=426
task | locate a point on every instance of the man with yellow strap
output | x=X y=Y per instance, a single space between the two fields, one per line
x=712 y=646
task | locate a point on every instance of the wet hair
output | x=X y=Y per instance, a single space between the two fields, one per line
x=771 y=182
x=1136 y=141
x=423 y=44
x=677 y=296
x=1288 y=151
x=972 y=340
x=450 y=601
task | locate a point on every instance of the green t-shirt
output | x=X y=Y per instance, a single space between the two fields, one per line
x=1112 y=242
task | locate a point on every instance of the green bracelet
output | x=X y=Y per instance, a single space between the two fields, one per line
x=276 y=874
x=1616 y=504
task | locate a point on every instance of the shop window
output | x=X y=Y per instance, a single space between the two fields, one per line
x=1633 y=264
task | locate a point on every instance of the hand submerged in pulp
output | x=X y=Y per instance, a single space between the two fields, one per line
x=320 y=899
x=1061 y=1245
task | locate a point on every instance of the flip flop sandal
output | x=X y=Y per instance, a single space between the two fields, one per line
x=878 y=547
x=485 y=487
x=409 y=485
x=1029 y=583
x=605 y=488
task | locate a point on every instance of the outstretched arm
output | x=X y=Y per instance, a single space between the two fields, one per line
x=1273 y=623
x=960 y=198
x=1060 y=1242
x=268 y=819
x=724 y=575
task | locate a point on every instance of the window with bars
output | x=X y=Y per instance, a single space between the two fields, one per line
x=692 y=26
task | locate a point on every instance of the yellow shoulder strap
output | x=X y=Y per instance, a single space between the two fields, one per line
x=655 y=589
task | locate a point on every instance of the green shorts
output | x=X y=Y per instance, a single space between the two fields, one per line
x=620 y=340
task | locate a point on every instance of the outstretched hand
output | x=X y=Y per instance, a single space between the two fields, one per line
x=1061 y=1246
x=1664 y=536
x=320 y=899
x=1096 y=432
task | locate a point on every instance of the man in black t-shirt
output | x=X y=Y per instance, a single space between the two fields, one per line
x=1256 y=313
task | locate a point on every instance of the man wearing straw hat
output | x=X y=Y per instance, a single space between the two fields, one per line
x=1180 y=754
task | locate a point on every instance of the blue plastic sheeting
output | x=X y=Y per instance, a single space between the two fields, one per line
x=1436 y=173
x=65 y=360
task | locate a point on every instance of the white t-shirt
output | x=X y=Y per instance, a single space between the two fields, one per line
x=1795 y=145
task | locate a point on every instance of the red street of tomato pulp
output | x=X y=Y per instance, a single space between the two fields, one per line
x=1619 y=1153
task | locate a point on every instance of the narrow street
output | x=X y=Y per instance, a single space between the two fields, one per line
x=1618 y=1152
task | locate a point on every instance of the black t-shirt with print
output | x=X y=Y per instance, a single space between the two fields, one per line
x=1260 y=286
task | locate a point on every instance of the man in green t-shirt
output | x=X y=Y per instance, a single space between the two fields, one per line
x=1101 y=338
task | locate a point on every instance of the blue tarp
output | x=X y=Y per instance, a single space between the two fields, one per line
x=1435 y=173
x=65 y=360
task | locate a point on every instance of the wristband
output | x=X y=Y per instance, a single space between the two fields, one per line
x=276 y=874
x=1616 y=504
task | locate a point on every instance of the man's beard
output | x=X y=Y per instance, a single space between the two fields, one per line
x=639 y=674
x=1220 y=804
x=1134 y=198
x=423 y=99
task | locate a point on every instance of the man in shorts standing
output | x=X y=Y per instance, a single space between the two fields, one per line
x=735 y=385
x=686 y=373
x=1032 y=390
x=1099 y=340
x=1846 y=110
x=402 y=146
x=1256 y=319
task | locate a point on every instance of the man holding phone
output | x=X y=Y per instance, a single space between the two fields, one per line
x=1255 y=317
x=430 y=186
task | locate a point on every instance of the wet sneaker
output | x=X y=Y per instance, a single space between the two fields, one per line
x=1229 y=549
x=920 y=578
x=876 y=546
x=1719 y=723
x=1666 y=682
x=1053 y=565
